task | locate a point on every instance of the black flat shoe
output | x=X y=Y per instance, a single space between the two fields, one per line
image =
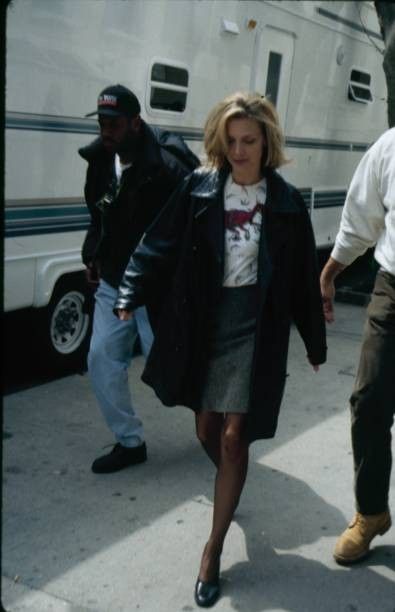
x=119 y=458
x=207 y=593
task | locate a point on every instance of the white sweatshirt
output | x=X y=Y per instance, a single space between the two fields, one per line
x=369 y=211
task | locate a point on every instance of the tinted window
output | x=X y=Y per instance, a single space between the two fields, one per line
x=360 y=77
x=273 y=76
x=359 y=87
x=359 y=94
x=169 y=74
x=168 y=99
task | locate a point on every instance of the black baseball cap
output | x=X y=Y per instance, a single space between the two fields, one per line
x=116 y=100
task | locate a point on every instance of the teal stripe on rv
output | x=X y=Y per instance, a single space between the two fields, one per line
x=48 y=219
x=329 y=199
x=48 y=123
x=28 y=220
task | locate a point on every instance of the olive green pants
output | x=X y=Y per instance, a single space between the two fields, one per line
x=373 y=400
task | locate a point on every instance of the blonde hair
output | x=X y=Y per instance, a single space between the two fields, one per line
x=243 y=105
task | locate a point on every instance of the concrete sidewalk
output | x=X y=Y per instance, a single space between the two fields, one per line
x=76 y=541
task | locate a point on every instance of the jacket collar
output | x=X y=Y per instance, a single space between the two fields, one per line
x=210 y=185
x=149 y=158
x=280 y=198
x=150 y=155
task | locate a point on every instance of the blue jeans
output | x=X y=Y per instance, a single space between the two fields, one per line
x=109 y=357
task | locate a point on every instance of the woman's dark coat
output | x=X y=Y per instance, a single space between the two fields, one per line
x=177 y=271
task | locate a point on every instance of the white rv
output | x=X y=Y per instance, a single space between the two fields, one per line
x=319 y=62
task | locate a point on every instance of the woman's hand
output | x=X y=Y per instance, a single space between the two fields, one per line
x=124 y=315
x=314 y=366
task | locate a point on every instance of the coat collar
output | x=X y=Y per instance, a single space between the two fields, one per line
x=210 y=184
x=280 y=198
x=149 y=157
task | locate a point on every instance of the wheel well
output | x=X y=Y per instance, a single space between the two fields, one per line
x=51 y=272
x=74 y=280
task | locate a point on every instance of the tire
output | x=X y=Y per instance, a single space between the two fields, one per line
x=66 y=325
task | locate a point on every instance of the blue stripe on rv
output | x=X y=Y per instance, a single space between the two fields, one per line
x=73 y=125
x=56 y=218
x=25 y=221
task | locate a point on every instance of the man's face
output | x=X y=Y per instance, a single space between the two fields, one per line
x=119 y=134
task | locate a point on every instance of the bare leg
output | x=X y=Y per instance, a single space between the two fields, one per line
x=208 y=430
x=230 y=479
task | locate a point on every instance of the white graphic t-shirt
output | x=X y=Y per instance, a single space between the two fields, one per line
x=243 y=218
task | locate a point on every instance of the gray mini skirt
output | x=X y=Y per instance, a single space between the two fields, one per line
x=231 y=347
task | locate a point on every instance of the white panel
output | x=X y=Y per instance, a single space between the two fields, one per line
x=19 y=281
x=44 y=164
x=22 y=256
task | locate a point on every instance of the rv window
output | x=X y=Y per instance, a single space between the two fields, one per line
x=168 y=99
x=360 y=77
x=359 y=87
x=273 y=76
x=169 y=74
x=169 y=87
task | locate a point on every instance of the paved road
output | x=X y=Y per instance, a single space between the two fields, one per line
x=74 y=541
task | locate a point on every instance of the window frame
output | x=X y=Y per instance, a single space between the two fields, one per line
x=165 y=86
x=351 y=95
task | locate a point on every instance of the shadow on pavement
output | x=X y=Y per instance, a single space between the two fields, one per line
x=77 y=535
x=281 y=530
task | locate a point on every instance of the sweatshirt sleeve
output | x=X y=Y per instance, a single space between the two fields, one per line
x=363 y=217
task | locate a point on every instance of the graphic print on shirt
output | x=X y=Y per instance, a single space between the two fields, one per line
x=237 y=221
x=243 y=218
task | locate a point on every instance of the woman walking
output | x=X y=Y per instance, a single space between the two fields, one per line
x=223 y=271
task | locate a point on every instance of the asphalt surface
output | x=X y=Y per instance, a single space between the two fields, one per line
x=75 y=541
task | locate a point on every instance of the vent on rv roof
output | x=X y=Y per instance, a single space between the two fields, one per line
x=359 y=87
x=169 y=87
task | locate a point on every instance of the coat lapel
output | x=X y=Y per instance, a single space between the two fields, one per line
x=274 y=234
x=209 y=213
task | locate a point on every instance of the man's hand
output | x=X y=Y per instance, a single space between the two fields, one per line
x=331 y=270
x=328 y=295
x=124 y=315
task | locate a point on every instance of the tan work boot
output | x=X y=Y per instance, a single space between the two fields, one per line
x=353 y=544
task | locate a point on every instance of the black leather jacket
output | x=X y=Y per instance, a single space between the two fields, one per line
x=118 y=223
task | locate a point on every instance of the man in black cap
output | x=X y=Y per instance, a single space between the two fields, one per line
x=132 y=171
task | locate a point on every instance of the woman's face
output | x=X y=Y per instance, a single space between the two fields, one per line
x=245 y=149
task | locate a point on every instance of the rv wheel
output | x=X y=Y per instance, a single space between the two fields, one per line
x=67 y=324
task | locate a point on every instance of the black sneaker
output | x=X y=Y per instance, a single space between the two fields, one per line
x=119 y=458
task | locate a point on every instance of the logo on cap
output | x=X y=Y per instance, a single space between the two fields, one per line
x=107 y=100
x=116 y=100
